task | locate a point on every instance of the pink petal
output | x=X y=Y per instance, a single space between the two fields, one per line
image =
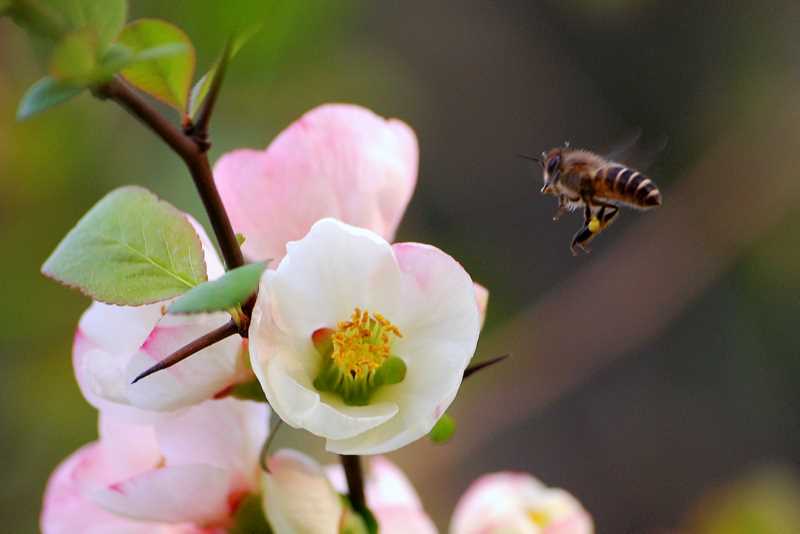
x=187 y=493
x=337 y=160
x=482 y=298
x=66 y=510
x=224 y=433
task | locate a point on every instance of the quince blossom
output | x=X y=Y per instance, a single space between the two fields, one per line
x=113 y=344
x=362 y=342
x=517 y=503
x=183 y=474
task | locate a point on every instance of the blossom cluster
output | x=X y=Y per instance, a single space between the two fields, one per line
x=353 y=338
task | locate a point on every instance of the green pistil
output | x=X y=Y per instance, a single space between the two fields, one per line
x=356 y=358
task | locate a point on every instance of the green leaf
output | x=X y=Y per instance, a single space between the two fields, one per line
x=201 y=88
x=230 y=290
x=105 y=17
x=443 y=430
x=45 y=94
x=75 y=58
x=167 y=78
x=118 y=56
x=131 y=248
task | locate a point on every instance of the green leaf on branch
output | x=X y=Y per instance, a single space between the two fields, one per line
x=105 y=17
x=167 y=78
x=203 y=85
x=130 y=249
x=75 y=58
x=45 y=94
x=230 y=290
x=443 y=430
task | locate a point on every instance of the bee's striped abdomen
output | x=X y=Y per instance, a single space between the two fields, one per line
x=628 y=186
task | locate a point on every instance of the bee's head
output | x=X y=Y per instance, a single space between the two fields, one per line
x=551 y=165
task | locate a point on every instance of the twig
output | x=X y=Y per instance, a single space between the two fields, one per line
x=355 y=481
x=228 y=329
x=192 y=154
x=474 y=368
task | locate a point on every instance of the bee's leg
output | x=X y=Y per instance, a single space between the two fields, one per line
x=583 y=236
x=593 y=225
x=562 y=207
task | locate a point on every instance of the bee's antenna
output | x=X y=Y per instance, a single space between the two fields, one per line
x=531 y=158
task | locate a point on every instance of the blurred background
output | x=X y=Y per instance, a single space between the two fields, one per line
x=657 y=379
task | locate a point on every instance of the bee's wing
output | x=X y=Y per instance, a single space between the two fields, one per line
x=634 y=153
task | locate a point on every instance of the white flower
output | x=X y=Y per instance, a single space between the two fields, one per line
x=517 y=503
x=362 y=342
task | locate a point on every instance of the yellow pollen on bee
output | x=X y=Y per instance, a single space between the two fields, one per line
x=363 y=343
x=594 y=225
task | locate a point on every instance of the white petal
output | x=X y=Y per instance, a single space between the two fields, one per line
x=298 y=497
x=327 y=274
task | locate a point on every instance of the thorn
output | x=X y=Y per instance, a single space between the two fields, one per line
x=474 y=368
x=216 y=335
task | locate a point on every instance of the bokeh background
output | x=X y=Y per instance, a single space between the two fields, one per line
x=657 y=379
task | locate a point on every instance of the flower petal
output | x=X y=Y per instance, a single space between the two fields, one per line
x=298 y=497
x=66 y=510
x=337 y=160
x=187 y=493
x=225 y=433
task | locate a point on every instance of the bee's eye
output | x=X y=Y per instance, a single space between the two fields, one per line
x=553 y=164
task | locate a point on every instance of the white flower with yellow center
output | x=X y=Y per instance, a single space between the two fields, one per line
x=362 y=342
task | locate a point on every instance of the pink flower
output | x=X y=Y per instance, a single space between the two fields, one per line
x=337 y=160
x=184 y=473
x=390 y=497
x=113 y=344
x=517 y=503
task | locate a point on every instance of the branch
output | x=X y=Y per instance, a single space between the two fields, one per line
x=474 y=368
x=355 y=481
x=228 y=329
x=192 y=153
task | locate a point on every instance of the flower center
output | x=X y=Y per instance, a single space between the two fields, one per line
x=357 y=357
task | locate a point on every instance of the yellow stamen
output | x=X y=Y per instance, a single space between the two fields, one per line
x=362 y=344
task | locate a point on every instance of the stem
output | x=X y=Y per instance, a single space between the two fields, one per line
x=192 y=153
x=228 y=329
x=355 y=481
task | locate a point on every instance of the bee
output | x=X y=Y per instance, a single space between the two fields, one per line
x=582 y=179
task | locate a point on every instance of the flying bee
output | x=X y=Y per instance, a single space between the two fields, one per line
x=582 y=179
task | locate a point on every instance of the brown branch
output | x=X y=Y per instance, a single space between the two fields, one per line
x=355 y=481
x=192 y=153
x=228 y=329
x=474 y=368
